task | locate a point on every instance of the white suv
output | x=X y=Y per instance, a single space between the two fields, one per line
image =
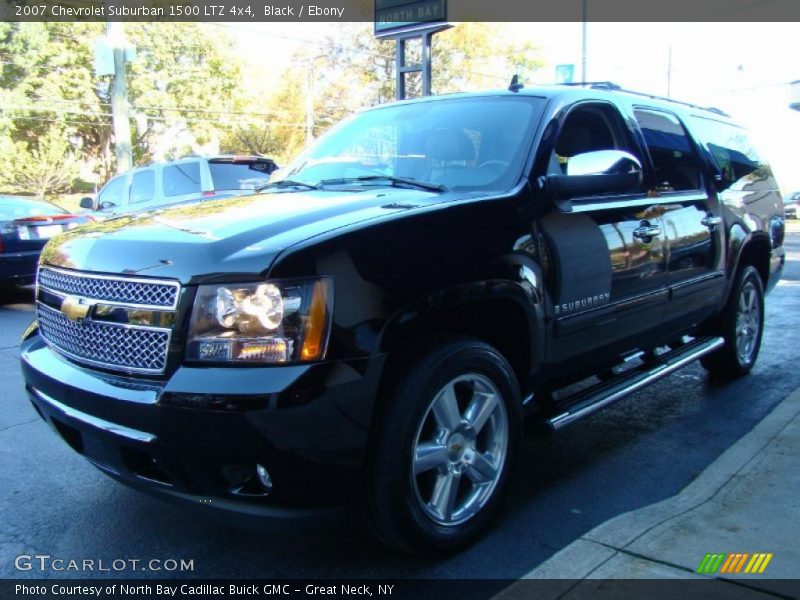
x=190 y=178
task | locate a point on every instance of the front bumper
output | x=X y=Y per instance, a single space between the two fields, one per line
x=199 y=434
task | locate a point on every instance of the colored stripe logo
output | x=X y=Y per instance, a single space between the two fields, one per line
x=734 y=562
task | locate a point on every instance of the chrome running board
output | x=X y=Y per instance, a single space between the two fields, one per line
x=589 y=401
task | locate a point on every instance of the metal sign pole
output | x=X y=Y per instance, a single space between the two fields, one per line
x=403 y=20
x=424 y=66
x=427 y=38
x=400 y=72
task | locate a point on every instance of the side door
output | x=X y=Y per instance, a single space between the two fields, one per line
x=607 y=255
x=142 y=193
x=692 y=216
x=114 y=195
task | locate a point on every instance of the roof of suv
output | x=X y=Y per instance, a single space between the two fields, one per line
x=586 y=90
x=233 y=158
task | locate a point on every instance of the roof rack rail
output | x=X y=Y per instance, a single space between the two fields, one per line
x=603 y=85
x=608 y=85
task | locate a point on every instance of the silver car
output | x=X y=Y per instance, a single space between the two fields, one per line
x=191 y=178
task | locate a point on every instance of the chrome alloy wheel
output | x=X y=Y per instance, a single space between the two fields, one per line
x=460 y=449
x=748 y=323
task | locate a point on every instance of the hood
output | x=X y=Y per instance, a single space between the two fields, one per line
x=241 y=235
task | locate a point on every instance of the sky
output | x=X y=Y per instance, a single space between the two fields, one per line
x=741 y=68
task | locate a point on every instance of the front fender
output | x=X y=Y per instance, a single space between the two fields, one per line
x=470 y=308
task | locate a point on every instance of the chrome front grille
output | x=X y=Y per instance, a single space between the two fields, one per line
x=114 y=290
x=105 y=344
x=96 y=339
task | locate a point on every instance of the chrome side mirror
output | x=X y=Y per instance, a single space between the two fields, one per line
x=603 y=162
x=594 y=174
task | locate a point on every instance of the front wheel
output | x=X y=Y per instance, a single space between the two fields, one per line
x=443 y=446
x=741 y=324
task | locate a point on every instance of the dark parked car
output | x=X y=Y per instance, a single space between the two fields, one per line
x=442 y=267
x=25 y=227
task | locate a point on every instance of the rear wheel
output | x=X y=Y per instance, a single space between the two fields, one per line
x=442 y=448
x=741 y=325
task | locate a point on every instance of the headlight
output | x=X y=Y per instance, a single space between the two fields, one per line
x=271 y=322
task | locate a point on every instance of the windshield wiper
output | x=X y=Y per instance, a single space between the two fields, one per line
x=395 y=181
x=287 y=183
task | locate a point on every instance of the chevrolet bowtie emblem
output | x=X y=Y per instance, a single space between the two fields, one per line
x=72 y=308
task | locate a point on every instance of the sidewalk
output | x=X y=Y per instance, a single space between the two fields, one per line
x=747 y=501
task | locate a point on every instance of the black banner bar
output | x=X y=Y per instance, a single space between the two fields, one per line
x=364 y=10
x=420 y=589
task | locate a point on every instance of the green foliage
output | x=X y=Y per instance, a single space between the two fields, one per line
x=352 y=69
x=180 y=77
x=187 y=88
x=47 y=84
x=45 y=166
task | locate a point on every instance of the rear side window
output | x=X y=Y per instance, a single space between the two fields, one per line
x=732 y=150
x=143 y=187
x=238 y=176
x=112 y=192
x=182 y=179
x=671 y=151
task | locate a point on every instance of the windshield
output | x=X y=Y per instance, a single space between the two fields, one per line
x=459 y=143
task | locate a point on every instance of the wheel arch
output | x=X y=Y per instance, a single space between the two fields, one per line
x=502 y=313
x=753 y=249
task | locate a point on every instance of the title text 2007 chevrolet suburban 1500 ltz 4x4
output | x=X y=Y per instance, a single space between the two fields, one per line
x=373 y=327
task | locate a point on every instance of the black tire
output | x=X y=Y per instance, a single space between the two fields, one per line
x=393 y=495
x=736 y=358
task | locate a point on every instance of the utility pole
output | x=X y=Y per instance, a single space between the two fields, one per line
x=119 y=98
x=310 y=103
x=583 y=41
x=669 y=72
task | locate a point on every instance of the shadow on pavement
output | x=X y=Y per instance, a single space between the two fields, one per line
x=16 y=295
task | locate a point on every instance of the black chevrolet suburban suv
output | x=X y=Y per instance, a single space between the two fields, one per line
x=372 y=329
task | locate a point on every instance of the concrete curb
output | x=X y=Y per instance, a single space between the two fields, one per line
x=584 y=558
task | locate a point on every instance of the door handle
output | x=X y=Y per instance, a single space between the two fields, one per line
x=646 y=232
x=710 y=220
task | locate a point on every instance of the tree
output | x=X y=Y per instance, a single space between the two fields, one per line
x=351 y=69
x=183 y=79
x=47 y=166
x=251 y=138
x=184 y=76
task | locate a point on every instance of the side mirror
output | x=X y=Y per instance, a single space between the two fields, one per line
x=87 y=202
x=598 y=172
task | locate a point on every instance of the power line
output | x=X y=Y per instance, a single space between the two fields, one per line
x=164 y=108
x=293 y=124
x=57 y=111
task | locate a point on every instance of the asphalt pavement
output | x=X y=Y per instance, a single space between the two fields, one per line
x=643 y=450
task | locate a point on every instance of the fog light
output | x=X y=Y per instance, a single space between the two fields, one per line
x=263 y=477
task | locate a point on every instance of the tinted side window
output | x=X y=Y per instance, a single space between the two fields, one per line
x=182 y=179
x=671 y=151
x=143 y=187
x=238 y=176
x=112 y=192
x=732 y=150
x=589 y=128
